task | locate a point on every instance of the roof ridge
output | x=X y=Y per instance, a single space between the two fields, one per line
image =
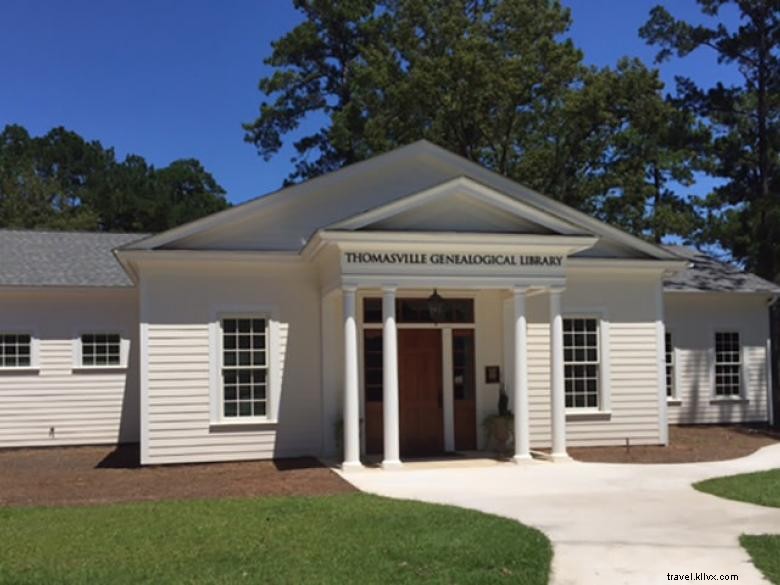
x=80 y=232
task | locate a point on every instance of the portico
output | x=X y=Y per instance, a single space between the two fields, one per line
x=391 y=452
x=389 y=269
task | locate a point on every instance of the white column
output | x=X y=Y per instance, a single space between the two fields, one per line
x=557 y=395
x=448 y=410
x=351 y=398
x=520 y=378
x=390 y=380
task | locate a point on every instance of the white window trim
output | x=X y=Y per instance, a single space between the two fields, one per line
x=35 y=351
x=124 y=350
x=605 y=394
x=270 y=314
x=742 y=396
x=674 y=399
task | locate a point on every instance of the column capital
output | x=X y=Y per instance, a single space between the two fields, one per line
x=389 y=288
x=349 y=288
x=556 y=290
x=520 y=289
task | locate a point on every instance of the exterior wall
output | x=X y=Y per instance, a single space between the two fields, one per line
x=628 y=306
x=693 y=318
x=81 y=406
x=178 y=304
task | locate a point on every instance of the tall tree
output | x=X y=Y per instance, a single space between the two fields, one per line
x=466 y=74
x=744 y=213
x=493 y=80
x=651 y=148
x=61 y=181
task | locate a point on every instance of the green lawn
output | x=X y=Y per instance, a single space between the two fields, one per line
x=762 y=488
x=354 y=538
x=764 y=550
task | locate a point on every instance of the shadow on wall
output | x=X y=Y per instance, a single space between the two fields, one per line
x=130 y=416
x=299 y=417
x=698 y=363
x=698 y=401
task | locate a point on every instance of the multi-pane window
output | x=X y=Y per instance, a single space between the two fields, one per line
x=244 y=367
x=15 y=350
x=728 y=363
x=669 y=355
x=581 y=362
x=101 y=349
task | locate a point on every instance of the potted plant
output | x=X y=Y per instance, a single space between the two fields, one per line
x=499 y=428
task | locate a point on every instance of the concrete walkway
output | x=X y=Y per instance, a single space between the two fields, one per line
x=609 y=523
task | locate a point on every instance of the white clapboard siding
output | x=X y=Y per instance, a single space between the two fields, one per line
x=692 y=320
x=630 y=309
x=56 y=404
x=179 y=420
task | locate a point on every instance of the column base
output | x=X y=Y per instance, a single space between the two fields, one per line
x=560 y=457
x=392 y=464
x=520 y=459
x=351 y=466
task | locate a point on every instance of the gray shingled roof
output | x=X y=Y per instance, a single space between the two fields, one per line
x=706 y=274
x=41 y=258
x=44 y=258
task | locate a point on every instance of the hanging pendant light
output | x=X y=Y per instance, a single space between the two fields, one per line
x=436 y=307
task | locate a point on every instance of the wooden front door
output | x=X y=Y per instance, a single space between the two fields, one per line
x=420 y=391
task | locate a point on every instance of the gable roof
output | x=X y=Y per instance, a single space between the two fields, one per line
x=49 y=258
x=441 y=200
x=288 y=218
x=706 y=274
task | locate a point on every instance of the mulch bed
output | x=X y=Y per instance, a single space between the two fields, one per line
x=99 y=475
x=688 y=444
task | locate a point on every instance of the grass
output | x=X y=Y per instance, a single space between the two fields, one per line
x=762 y=488
x=764 y=551
x=353 y=538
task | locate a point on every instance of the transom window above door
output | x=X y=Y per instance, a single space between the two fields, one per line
x=415 y=310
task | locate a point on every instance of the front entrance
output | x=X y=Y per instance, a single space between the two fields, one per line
x=420 y=392
x=436 y=378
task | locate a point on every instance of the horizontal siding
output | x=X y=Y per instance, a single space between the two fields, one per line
x=179 y=402
x=633 y=379
x=692 y=320
x=81 y=407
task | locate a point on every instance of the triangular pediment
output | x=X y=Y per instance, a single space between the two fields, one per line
x=417 y=188
x=458 y=205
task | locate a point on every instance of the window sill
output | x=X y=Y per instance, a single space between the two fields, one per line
x=25 y=371
x=91 y=369
x=585 y=415
x=729 y=400
x=241 y=426
x=673 y=401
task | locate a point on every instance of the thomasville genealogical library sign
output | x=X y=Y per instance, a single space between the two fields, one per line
x=451 y=259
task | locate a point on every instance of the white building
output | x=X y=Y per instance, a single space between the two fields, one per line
x=378 y=310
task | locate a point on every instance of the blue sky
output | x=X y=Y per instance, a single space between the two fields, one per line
x=167 y=79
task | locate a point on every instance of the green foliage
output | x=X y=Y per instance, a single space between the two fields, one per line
x=493 y=80
x=743 y=214
x=330 y=539
x=61 y=181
